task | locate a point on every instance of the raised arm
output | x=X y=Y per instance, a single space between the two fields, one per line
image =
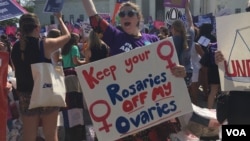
x=188 y=14
x=65 y=34
x=89 y=7
x=97 y=22
x=52 y=44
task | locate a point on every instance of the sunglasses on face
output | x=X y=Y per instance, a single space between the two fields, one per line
x=129 y=13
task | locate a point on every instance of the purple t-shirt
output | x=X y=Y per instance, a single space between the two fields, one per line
x=120 y=41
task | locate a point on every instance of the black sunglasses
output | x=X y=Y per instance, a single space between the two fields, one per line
x=129 y=13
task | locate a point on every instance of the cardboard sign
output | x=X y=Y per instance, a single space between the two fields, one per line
x=53 y=6
x=234 y=42
x=86 y=28
x=133 y=91
x=204 y=41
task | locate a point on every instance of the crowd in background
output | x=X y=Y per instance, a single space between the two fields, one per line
x=73 y=54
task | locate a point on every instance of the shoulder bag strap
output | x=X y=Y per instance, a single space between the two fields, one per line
x=42 y=58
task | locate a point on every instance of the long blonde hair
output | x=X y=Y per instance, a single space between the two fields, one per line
x=94 y=40
x=179 y=27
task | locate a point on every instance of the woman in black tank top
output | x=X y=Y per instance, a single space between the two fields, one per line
x=96 y=49
x=25 y=52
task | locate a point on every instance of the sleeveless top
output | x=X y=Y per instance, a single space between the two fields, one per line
x=99 y=53
x=23 y=73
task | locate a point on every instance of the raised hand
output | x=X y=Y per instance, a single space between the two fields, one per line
x=178 y=71
x=219 y=57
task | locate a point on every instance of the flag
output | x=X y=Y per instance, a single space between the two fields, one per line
x=117 y=7
x=10 y=9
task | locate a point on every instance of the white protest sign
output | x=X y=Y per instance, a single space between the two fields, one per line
x=133 y=91
x=204 y=41
x=233 y=33
x=86 y=28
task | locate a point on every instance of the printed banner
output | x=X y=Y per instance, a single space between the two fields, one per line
x=53 y=6
x=175 y=10
x=10 y=9
x=235 y=46
x=132 y=91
